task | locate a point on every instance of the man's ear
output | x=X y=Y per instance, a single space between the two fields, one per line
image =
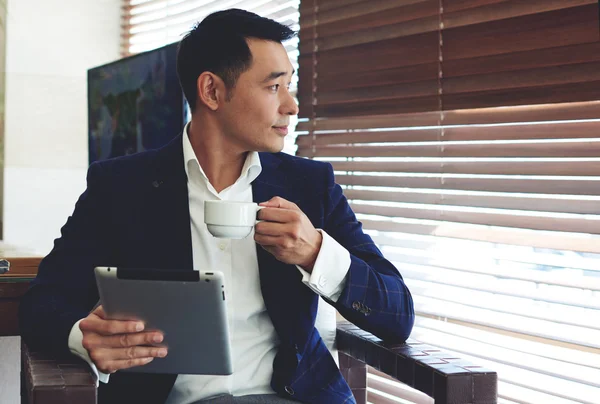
x=211 y=90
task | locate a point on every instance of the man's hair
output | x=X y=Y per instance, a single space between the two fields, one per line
x=218 y=45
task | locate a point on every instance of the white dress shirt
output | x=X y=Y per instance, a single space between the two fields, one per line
x=253 y=338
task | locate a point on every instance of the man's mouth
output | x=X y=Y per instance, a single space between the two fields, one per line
x=281 y=129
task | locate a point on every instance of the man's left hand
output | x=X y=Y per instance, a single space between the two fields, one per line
x=287 y=233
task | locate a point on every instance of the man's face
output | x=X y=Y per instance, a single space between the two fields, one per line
x=258 y=114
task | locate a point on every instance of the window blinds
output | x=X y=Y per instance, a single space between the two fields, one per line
x=465 y=136
x=149 y=24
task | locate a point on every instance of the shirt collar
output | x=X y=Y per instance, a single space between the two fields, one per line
x=250 y=171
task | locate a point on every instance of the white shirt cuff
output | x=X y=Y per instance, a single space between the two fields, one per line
x=76 y=348
x=328 y=277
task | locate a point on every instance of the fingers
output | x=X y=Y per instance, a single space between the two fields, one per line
x=113 y=366
x=98 y=325
x=271 y=229
x=279 y=215
x=115 y=344
x=267 y=241
x=278 y=202
x=105 y=355
x=108 y=358
x=92 y=340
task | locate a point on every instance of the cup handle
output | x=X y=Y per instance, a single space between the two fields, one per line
x=257 y=209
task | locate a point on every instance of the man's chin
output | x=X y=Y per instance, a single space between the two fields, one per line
x=273 y=148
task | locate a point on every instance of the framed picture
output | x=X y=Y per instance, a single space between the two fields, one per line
x=134 y=104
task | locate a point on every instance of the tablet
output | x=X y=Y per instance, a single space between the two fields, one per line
x=187 y=306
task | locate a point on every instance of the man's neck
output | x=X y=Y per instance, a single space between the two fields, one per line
x=221 y=162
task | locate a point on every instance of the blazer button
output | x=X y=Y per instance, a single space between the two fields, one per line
x=356 y=305
x=289 y=390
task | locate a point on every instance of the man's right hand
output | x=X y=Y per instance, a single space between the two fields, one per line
x=116 y=344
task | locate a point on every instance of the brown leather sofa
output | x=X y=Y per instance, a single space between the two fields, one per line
x=449 y=380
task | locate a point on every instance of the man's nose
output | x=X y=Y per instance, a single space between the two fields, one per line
x=289 y=107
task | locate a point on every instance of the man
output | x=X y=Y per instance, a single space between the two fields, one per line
x=307 y=256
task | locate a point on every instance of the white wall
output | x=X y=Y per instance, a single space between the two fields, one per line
x=50 y=46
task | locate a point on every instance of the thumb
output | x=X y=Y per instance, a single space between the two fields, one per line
x=99 y=311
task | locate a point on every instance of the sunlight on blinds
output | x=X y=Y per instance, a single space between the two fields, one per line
x=151 y=24
x=465 y=135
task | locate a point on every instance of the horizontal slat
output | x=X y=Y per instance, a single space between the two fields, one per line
x=537 y=268
x=368 y=122
x=570 y=26
x=385 y=92
x=310 y=8
x=515 y=61
x=377 y=34
x=521 y=149
x=530 y=113
x=505 y=10
x=573 y=223
x=530 y=308
x=371 y=107
x=509 y=296
x=567 y=130
x=345 y=77
x=322 y=139
x=476 y=166
x=127 y=6
x=364 y=15
x=508 y=265
x=544 y=204
x=507 y=322
x=380 y=386
x=534 y=77
x=572 y=354
x=461 y=5
x=567 y=186
x=570 y=92
x=509 y=393
x=502 y=400
x=501 y=235
x=394 y=56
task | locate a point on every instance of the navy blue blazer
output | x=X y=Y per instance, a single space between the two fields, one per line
x=135 y=213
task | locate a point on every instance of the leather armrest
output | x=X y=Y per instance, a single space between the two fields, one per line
x=440 y=375
x=49 y=380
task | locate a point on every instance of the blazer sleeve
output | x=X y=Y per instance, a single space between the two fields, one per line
x=375 y=297
x=64 y=290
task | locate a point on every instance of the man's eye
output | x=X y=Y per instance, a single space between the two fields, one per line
x=274 y=87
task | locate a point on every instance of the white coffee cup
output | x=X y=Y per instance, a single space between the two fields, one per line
x=230 y=219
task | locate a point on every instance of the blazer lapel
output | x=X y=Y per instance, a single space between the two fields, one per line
x=284 y=294
x=171 y=208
